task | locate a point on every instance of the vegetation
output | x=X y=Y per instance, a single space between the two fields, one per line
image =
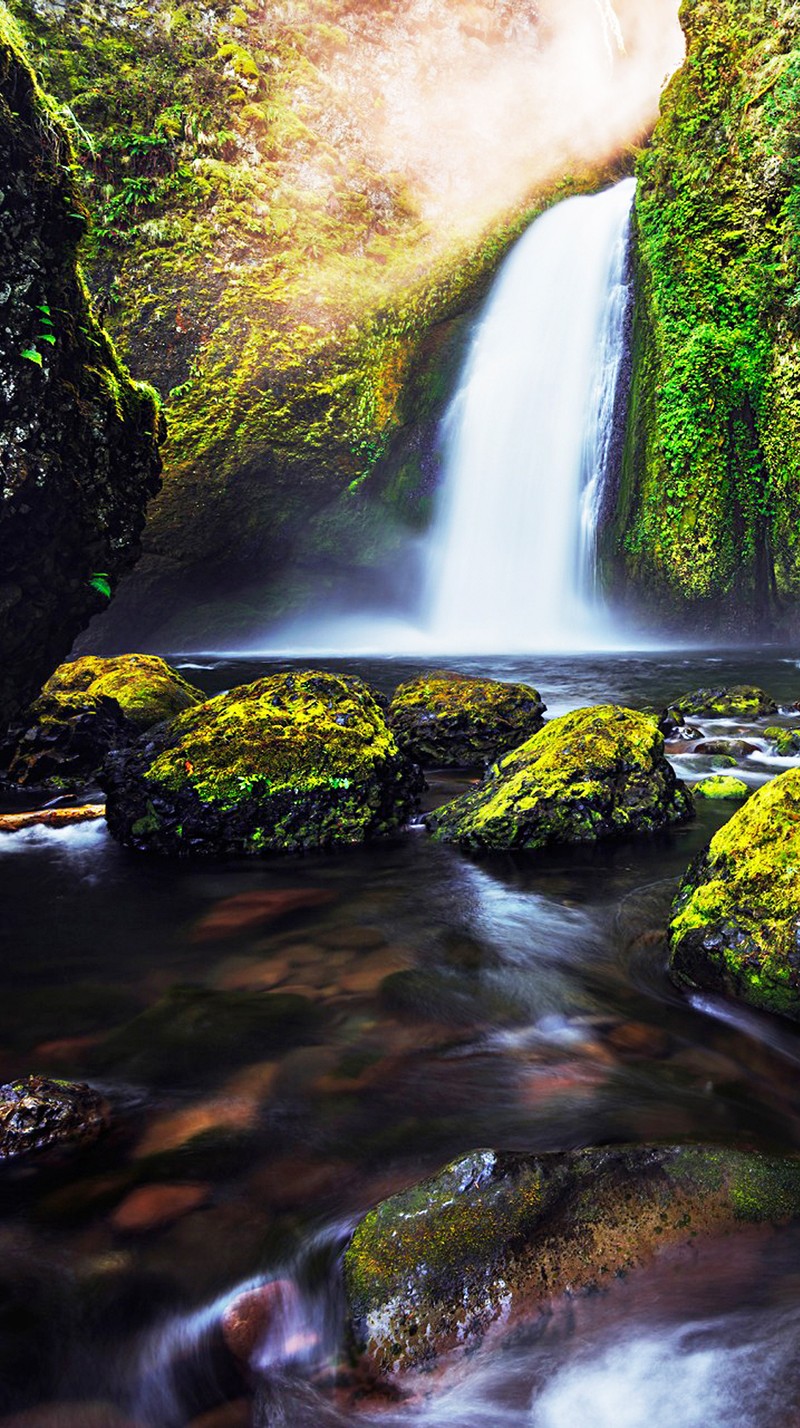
x=444 y=719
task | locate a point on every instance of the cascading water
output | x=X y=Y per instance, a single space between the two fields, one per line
x=529 y=437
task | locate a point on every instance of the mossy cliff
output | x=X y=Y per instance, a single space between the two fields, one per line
x=708 y=518
x=282 y=288
x=78 y=439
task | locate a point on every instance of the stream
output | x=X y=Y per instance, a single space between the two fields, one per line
x=517 y=1002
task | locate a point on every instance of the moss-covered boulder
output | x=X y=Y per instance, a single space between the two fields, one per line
x=37 y=1114
x=294 y=761
x=705 y=528
x=736 y=921
x=739 y=701
x=450 y=721
x=596 y=773
x=87 y=708
x=720 y=786
x=493 y=1238
x=78 y=439
x=786 y=741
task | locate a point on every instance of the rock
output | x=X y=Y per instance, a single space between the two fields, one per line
x=735 y=926
x=78 y=439
x=151 y=1206
x=294 y=761
x=72 y=1413
x=740 y=701
x=493 y=1238
x=36 y=1114
x=729 y=748
x=595 y=773
x=720 y=786
x=786 y=741
x=245 y=911
x=266 y=1322
x=51 y=817
x=193 y=1033
x=446 y=720
x=87 y=708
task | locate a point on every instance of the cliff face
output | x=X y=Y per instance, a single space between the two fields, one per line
x=78 y=439
x=295 y=209
x=707 y=533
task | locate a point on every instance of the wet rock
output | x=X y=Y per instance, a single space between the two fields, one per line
x=494 y=1238
x=740 y=701
x=238 y=1414
x=72 y=1413
x=62 y=741
x=592 y=774
x=786 y=741
x=735 y=926
x=36 y=1114
x=720 y=786
x=294 y=761
x=446 y=720
x=149 y=1207
x=733 y=748
x=246 y=911
x=266 y=1322
x=145 y=687
x=449 y=997
x=193 y=1033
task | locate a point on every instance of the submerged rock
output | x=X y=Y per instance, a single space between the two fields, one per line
x=36 y=1114
x=294 y=761
x=87 y=708
x=736 y=920
x=595 y=773
x=493 y=1238
x=720 y=786
x=740 y=701
x=450 y=721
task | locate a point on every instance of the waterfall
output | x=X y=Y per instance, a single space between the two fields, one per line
x=529 y=440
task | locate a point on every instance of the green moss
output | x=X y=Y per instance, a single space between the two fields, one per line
x=447 y=719
x=786 y=741
x=739 y=701
x=711 y=490
x=145 y=687
x=595 y=773
x=735 y=921
x=720 y=786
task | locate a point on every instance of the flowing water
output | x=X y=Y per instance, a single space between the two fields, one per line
x=508 y=1001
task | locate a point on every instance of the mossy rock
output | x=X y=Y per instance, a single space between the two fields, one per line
x=735 y=927
x=720 y=786
x=786 y=741
x=740 y=701
x=87 y=708
x=294 y=761
x=37 y=1114
x=450 y=721
x=78 y=439
x=490 y=1241
x=596 y=773
x=192 y=1034
x=146 y=688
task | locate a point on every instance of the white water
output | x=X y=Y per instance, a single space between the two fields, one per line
x=528 y=439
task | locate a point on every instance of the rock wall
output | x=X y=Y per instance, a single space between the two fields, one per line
x=78 y=439
x=706 y=531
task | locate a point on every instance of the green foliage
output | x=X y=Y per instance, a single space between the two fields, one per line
x=101 y=582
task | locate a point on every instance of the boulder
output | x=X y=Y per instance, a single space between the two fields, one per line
x=595 y=773
x=450 y=721
x=37 y=1114
x=735 y=923
x=786 y=741
x=78 y=439
x=495 y=1237
x=740 y=701
x=294 y=761
x=145 y=687
x=720 y=786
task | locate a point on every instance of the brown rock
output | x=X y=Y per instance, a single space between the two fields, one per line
x=229 y=1415
x=247 y=1322
x=177 y=1128
x=151 y=1206
x=70 y=1415
x=636 y=1038
x=244 y=911
x=352 y=939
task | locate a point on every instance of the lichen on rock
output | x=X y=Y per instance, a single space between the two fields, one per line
x=449 y=720
x=735 y=926
x=595 y=773
x=78 y=439
x=738 y=701
x=291 y=762
x=720 y=786
x=37 y=1114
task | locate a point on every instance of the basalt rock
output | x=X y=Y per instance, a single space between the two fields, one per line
x=720 y=786
x=37 y=1114
x=786 y=741
x=735 y=927
x=740 y=701
x=488 y=1243
x=449 y=721
x=78 y=439
x=595 y=773
x=294 y=761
